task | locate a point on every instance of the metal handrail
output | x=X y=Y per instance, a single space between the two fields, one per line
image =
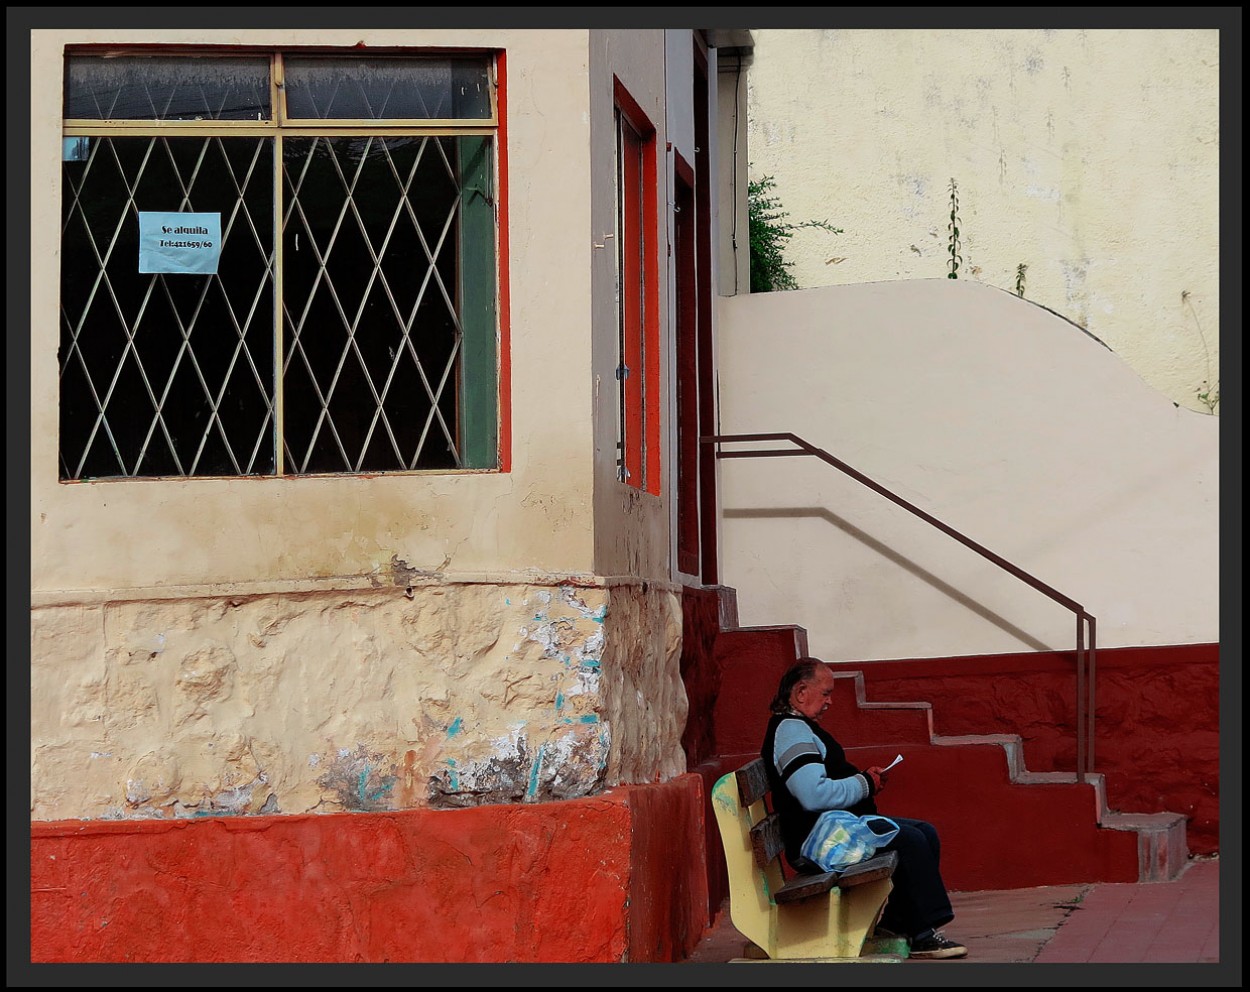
x=1085 y=622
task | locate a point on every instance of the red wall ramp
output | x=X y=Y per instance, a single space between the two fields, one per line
x=989 y=746
x=1157 y=719
x=997 y=831
x=617 y=877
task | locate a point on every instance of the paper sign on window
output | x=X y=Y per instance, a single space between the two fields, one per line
x=179 y=243
x=75 y=149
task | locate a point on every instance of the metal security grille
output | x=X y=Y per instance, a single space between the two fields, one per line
x=160 y=374
x=168 y=88
x=369 y=285
x=386 y=88
x=350 y=326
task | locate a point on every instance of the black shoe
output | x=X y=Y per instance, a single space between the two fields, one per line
x=936 y=946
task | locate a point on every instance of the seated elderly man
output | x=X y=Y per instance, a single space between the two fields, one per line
x=808 y=774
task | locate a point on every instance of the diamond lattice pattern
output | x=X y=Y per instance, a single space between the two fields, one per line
x=167 y=374
x=174 y=374
x=370 y=311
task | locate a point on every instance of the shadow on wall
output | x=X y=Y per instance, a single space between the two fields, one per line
x=1036 y=441
x=888 y=553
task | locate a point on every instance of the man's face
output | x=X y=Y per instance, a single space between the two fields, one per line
x=812 y=698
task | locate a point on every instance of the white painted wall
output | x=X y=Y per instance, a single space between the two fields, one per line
x=1089 y=156
x=993 y=415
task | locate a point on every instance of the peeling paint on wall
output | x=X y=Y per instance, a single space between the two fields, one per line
x=513 y=770
x=361 y=780
x=568 y=595
x=641 y=686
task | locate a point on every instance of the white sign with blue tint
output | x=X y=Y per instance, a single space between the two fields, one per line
x=187 y=244
x=75 y=149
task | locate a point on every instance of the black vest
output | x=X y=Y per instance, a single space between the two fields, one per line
x=796 y=822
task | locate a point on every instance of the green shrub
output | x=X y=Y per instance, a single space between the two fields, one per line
x=769 y=233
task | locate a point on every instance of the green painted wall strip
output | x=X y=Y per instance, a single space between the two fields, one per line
x=479 y=366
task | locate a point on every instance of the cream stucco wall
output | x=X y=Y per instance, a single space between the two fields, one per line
x=124 y=534
x=447 y=694
x=217 y=646
x=1090 y=156
x=993 y=415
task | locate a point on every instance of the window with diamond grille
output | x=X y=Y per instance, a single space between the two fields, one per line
x=350 y=325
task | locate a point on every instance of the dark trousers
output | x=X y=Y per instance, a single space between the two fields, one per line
x=918 y=901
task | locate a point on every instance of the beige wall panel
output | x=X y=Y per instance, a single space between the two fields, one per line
x=999 y=419
x=206 y=647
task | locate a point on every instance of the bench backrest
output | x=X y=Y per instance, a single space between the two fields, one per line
x=766 y=842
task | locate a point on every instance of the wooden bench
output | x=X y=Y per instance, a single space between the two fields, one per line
x=809 y=917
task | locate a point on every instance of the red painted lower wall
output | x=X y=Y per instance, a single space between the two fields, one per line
x=700 y=671
x=668 y=892
x=617 y=877
x=701 y=677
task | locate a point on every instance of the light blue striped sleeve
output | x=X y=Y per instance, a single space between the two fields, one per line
x=800 y=758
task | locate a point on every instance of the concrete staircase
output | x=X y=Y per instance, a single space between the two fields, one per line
x=1002 y=825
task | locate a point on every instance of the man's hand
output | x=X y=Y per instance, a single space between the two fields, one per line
x=878 y=776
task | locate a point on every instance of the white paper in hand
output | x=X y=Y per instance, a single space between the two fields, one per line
x=892 y=763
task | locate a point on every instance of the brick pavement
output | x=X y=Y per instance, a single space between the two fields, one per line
x=1153 y=922
x=1176 y=922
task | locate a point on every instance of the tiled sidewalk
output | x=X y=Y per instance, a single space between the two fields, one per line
x=1156 y=922
x=1177 y=921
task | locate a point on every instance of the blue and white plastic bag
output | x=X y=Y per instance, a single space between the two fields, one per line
x=841 y=839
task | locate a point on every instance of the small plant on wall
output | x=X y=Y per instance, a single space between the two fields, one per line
x=953 y=242
x=1021 y=269
x=769 y=234
x=1208 y=394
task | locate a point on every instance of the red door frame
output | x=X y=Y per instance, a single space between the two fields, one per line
x=639 y=274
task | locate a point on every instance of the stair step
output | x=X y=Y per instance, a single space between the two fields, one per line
x=788 y=633
x=1052 y=778
x=1162 y=847
x=752 y=661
